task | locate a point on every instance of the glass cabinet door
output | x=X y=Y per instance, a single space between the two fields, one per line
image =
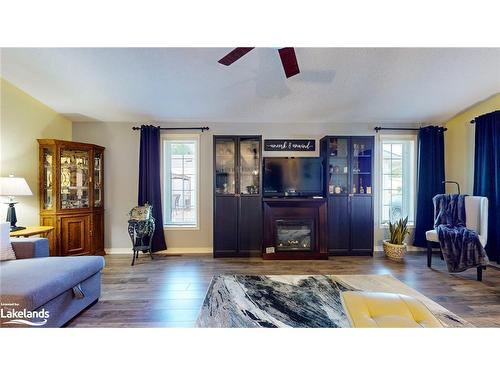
x=225 y=162
x=249 y=180
x=74 y=178
x=97 y=179
x=47 y=178
x=338 y=165
x=362 y=153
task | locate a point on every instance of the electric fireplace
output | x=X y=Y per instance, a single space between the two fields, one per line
x=294 y=235
x=294 y=228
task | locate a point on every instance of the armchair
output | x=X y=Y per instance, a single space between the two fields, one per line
x=476 y=216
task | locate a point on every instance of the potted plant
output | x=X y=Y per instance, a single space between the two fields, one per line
x=395 y=247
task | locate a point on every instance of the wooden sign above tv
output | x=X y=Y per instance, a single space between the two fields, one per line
x=289 y=145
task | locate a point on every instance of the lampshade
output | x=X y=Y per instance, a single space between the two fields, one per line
x=14 y=186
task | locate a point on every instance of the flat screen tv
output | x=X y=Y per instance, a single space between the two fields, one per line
x=301 y=177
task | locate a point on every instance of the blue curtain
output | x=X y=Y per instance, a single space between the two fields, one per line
x=487 y=175
x=149 y=180
x=430 y=177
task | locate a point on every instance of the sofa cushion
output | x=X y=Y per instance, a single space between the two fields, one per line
x=33 y=282
x=386 y=310
x=30 y=247
x=6 y=252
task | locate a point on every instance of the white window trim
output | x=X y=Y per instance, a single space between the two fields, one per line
x=187 y=137
x=396 y=137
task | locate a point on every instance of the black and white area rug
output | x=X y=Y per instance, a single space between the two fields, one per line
x=309 y=301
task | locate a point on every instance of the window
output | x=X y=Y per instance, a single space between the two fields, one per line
x=180 y=181
x=398 y=179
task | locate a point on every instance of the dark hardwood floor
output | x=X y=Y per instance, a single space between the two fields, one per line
x=168 y=291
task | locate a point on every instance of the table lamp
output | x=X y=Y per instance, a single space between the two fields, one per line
x=13 y=186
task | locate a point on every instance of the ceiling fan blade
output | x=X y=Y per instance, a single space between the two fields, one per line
x=289 y=61
x=234 y=55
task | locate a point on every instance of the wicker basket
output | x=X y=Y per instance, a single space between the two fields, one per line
x=394 y=252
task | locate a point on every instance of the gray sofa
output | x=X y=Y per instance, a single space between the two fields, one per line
x=36 y=287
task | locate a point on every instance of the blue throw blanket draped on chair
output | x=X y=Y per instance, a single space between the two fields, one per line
x=460 y=246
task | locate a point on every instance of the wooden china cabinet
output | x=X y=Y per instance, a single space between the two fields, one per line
x=71 y=191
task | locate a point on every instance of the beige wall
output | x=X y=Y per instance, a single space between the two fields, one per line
x=121 y=163
x=459 y=144
x=23 y=120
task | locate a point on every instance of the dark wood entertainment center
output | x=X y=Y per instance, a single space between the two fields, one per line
x=248 y=224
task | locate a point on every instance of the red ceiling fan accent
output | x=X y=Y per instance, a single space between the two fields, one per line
x=234 y=55
x=289 y=61
x=287 y=56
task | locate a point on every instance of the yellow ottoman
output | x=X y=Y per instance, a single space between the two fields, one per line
x=386 y=310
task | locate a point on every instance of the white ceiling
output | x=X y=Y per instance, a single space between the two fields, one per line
x=358 y=85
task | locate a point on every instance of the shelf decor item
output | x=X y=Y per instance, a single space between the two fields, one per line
x=355 y=149
x=13 y=187
x=71 y=190
x=395 y=247
x=290 y=145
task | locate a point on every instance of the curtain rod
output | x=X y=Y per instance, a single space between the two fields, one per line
x=378 y=128
x=202 y=128
x=472 y=121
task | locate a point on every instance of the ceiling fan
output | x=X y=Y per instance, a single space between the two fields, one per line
x=287 y=56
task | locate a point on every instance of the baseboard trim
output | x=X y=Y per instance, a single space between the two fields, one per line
x=173 y=250
x=209 y=250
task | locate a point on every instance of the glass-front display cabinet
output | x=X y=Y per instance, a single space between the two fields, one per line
x=249 y=167
x=71 y=177
x=225 y=166
x=237 y=195
x=349 y=188
x=97 y=180
x=75 y=178
x=362 y=165
x=350 y=164
x=338 y=165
